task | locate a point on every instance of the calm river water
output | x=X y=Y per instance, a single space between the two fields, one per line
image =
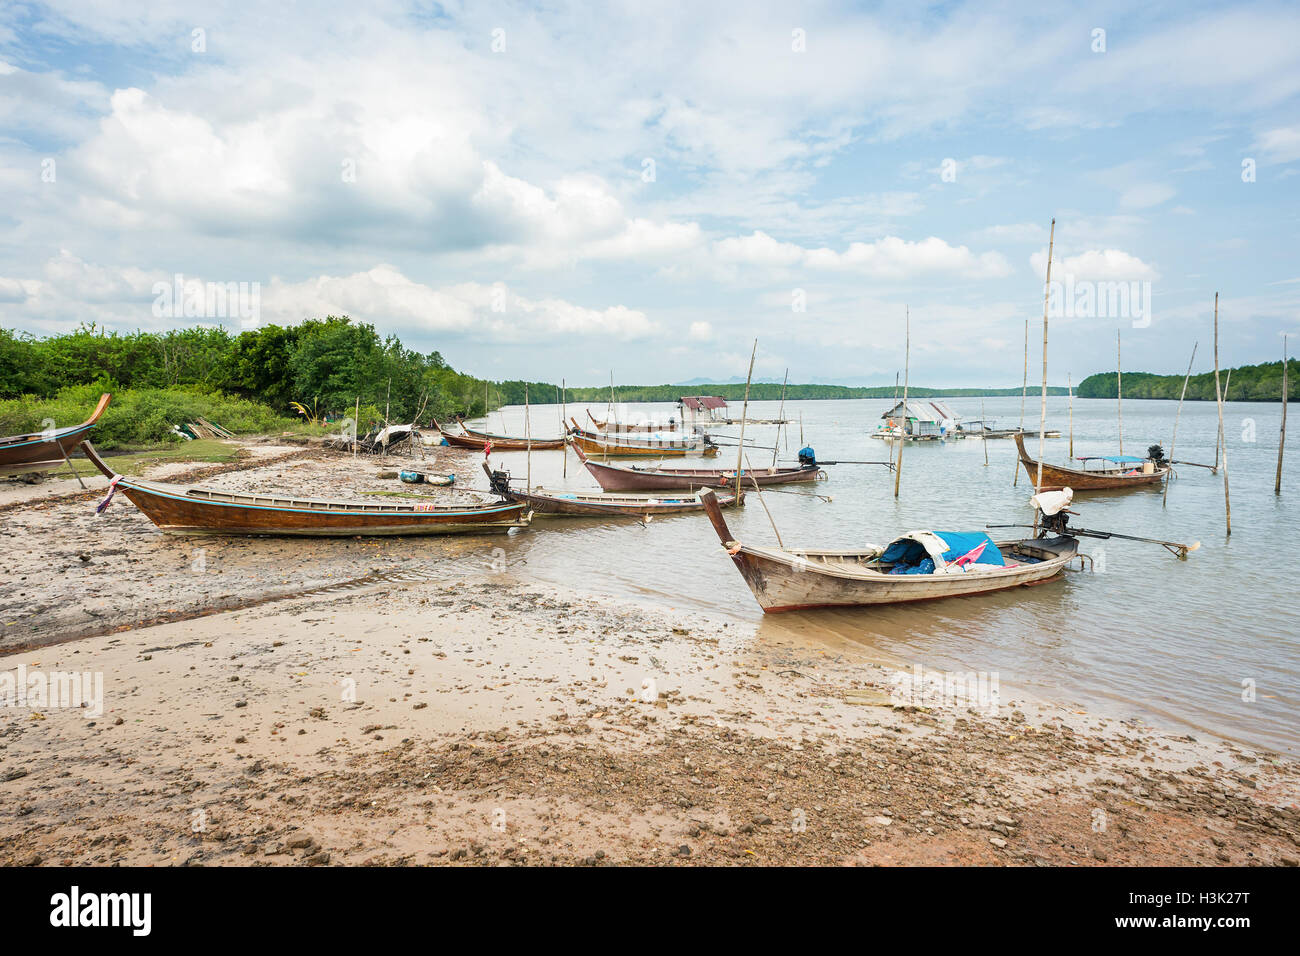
x=1175 y=642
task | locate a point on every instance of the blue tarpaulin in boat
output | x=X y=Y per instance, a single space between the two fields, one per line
x=911 y=552
x=1117 y=459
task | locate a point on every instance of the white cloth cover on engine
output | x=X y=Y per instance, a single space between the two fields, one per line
x=1051 y=502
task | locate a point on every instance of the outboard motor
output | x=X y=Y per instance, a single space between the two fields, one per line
x=807 y=457
x=1157 y=454
x=500 y=483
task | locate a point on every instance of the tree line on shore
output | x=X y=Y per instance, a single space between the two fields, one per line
x=1249 y=383
x=324 y=370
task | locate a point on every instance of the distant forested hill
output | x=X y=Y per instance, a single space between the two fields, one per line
x=768 y=391
x=1249 y=383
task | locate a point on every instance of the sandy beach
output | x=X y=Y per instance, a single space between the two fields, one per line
x=367 y=702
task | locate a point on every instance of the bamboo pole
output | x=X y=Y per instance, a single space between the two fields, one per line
x=776 y=445
x=1042 y=411
x=889 y=442
x=1219 y=441
x=1024 y=388
x=528 y=438
x=355 y=427
x=1069 y=387
x=907 y=366
x=1178 y=416
x=744 y=414
x=1218 y=394
x=762 y=501
x=1119 y=390
x=564 y=413
x=1281 y=438
x=984 y=426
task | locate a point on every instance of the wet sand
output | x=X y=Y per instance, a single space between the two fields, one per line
x=358 y=708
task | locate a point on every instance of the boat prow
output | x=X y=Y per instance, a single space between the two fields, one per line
x=45 y=451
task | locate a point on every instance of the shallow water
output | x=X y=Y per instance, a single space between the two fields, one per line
x=1176 y=642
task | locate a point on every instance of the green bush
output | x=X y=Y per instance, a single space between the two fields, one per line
x=143 y=416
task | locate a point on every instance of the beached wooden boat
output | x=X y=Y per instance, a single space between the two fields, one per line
x=582 y=504
x=181 y=509
x=638 y=478
x=45 y=451
x=612 y=426
x=1117 y=471
x=649 y=446
x=793 y=579
x=478 y=440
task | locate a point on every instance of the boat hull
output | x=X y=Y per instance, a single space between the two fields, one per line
x=590 y=506
x=180 y=509
x=1081 y=479
x=178 y=512
x=42 y=452
x=792 y=581
x=621 y=449
x=623 y=478
x=479 y=440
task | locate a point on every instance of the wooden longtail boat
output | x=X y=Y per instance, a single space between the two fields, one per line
x=479 y=440
x=636 y=478
x=650 y=446
x=46 y=451
x=1118 y=472
x=610 y=426
x=180 y=509
x=788 y=580
x=603 y=505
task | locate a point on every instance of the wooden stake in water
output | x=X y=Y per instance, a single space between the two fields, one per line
x=907 y=367
x=564 y=414
x=528 y=438
x=1024 y=389
x=1119 y=391
x=1178 y=416
x=1042 y=411
x=1218 y=394
x=776 y=445
x=984 y=424
x=1069 y=388
x=744 y=414
x=1281 y=438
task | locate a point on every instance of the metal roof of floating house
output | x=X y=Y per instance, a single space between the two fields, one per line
x=922 y=411
x=700 y=403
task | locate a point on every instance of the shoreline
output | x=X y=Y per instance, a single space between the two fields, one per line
x=450 y=711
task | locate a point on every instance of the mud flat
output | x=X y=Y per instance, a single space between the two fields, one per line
x=463 y=715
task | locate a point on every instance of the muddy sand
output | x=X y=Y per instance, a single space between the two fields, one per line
x=363 y=702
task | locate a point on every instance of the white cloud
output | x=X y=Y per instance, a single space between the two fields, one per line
x=1281 y=145
x=1095 y=264
x=890 y=257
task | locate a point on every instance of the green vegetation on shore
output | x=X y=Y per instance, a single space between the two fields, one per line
x=1249 y=383
x=308 y=377
x=771 y=391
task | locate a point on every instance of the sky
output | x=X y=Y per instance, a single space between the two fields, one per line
x=562 y=191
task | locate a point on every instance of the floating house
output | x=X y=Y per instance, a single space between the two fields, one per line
x=919 y=421
x=696 y=409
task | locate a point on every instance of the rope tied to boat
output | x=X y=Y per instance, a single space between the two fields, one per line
x=735 y=548
x=112 y=490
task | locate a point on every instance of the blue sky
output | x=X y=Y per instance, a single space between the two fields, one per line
x=560 y=191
